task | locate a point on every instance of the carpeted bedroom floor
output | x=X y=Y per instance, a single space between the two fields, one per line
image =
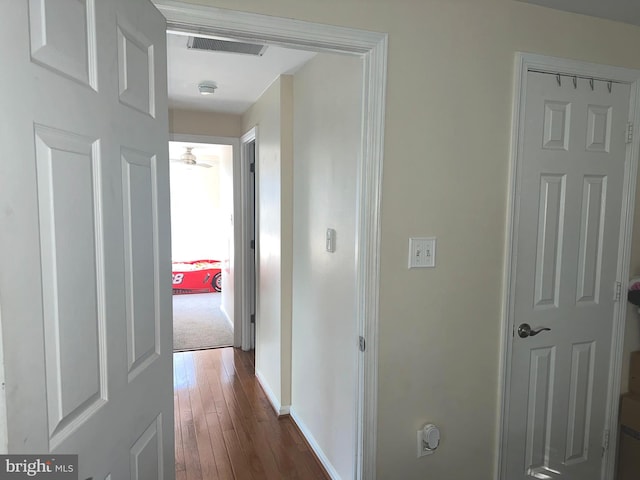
x=198 y=322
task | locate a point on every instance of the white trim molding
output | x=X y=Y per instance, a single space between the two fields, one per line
x=244 y=219
x=273 y=400
x=525 y=63
x=314 y=445
x=372 y=48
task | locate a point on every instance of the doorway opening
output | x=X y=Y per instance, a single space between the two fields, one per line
x=249 y=255
x=201 y=182
x=370 y=48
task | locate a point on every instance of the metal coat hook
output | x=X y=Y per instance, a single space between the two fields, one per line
x=559 y=80
x=591 y=83
x=575 y=82
x=609 y=83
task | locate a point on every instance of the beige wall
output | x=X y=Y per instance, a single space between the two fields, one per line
x=327 y=111
x=272 y=115
x=447 y=139
x=194 y=122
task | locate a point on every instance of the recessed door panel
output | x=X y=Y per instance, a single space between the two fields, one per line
x=136 y=70
x=69 y=197
x=63 y=37
x=550 y=230
x=580 y=395
x=599 y=128
x=140 y=209
x=591 y=235
x=146 y=454
x=539 y=416
x=557 y=118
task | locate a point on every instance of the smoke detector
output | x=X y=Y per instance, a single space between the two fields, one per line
x=207 y=88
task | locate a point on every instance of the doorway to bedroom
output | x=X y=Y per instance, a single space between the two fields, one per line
x=201 y=181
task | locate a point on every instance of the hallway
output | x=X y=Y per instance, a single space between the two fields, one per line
x=225 y=427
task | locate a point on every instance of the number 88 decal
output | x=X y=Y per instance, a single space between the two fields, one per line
x=177 y=278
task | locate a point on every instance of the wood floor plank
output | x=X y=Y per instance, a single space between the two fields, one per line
x=241 y=417
x=254 y=434
x=226 y=427
x=203 y=439
x=205 y=375
x=188 y=434
x=179 y=452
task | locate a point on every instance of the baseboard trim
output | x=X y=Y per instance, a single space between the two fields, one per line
x=273 y=400
x=313 y=444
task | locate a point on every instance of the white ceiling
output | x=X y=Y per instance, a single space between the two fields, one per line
x=241 y=78
x=627 y=11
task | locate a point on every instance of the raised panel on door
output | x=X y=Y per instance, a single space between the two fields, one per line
x=146 y=454
x=580 y=399
x=540 y=410
x=68 y=172
x=142 y=309
x=63 y=38
x=136 y=60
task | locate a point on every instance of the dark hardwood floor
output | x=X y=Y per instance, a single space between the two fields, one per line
x=225 y=427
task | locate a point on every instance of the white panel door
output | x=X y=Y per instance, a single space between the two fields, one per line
x=568 y=210
x=84 y=240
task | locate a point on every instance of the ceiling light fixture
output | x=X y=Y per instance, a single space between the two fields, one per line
x=207 y=88
x=188 y=157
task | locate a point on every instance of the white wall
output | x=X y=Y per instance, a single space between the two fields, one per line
x=271 y=114
x=196 y=213
x=327 y=109
x=447 y=140
x=227 y=232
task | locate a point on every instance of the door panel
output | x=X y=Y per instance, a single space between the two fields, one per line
x=565 y=265
x=85 y=287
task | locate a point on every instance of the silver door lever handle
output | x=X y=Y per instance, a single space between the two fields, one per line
x=524 y=330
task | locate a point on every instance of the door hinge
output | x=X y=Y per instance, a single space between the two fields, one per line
x=362 y=344
x=253 y=244
x=629 y=132
x=618 y=292
x=252 y=168
x=605 y=442
x=253 y=318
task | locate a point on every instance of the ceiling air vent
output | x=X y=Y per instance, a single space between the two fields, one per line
x=215 y=45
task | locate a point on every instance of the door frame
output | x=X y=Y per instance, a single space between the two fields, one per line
x=526 y=62
x=238 y=327
x=371 y=47
x=248 y=256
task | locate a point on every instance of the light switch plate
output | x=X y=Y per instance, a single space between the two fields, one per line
x=331 y=240
x=422 y=252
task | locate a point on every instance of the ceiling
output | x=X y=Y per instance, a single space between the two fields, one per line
x=626 y=11
x=241 y=79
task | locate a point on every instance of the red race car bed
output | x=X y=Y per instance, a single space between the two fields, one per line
x=198 y=276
